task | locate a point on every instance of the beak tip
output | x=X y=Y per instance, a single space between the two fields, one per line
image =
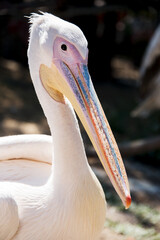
x=128 y=201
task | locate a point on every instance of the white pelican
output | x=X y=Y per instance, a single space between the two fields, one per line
x=58 y=197
x=150 y=78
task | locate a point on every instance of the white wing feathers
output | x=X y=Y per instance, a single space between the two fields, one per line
x=36 y=147
x=9 y=219
x=18 y=150
x=26 y=159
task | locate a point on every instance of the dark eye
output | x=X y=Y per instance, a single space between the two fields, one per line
x=64 y=47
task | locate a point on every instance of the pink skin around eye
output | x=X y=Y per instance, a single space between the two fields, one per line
x=70 y=56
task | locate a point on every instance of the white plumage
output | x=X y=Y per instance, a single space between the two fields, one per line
x=150 y=78
x=47 y=189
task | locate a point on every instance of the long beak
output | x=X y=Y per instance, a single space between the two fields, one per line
x=78 y=88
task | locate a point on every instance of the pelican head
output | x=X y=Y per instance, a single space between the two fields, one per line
x=63 y=73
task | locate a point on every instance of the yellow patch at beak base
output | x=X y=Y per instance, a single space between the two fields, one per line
x=50 y=77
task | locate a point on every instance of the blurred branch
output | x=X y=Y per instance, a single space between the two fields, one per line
x=134 y=147
x=140 y=146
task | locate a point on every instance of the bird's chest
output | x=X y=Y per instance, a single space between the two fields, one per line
x=74 y=213
x=80 y=215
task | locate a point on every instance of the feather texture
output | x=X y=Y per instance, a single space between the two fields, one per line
x=47 y=189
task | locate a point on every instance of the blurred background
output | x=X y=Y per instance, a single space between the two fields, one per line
x=124 y=62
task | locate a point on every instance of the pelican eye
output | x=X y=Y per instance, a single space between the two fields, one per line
x=64 y=47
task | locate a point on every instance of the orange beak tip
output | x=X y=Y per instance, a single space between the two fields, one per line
x=128 y=202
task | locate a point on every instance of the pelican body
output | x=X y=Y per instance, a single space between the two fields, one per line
x=149 y=78
x=47 y=189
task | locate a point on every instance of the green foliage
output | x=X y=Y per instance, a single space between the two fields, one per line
x=147 y=224
x=145 y=214
x=136 y=231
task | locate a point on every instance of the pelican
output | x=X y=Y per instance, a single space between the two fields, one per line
x=150 y=78
x=47 y=189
